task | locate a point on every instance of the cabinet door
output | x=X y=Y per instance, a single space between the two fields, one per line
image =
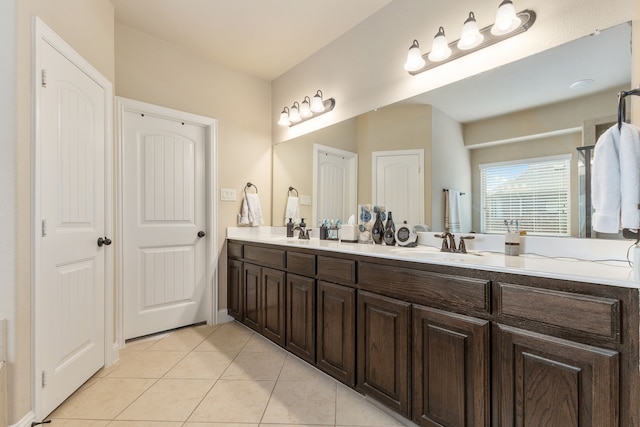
x=234 y=288
x=547 y=381
x=300 y=322
x=273 y=305
x=450 y=369
x=336 y=317
x=252 y=310
x=383 y=350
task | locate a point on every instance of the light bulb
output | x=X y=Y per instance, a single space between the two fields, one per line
x=415 y=61
x=317 y=105
x=440 y=49
x=284 y=117
x=305 y=108
x=294 y=113
x=470 y=36
x=506 y=19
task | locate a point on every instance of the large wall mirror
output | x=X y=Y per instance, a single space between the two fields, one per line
x=544 y=107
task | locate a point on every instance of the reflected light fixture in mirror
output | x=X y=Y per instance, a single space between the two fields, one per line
x=309 y=109
x=508 y=24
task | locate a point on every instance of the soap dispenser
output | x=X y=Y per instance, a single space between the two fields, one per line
x=290 y=226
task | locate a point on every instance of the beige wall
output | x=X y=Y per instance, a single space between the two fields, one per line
x=402 y=127
x=153 y=71
x=293 y=165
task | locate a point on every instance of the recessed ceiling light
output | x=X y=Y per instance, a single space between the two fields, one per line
x=581 y=83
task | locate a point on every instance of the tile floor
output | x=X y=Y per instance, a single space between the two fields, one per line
x=206 y=376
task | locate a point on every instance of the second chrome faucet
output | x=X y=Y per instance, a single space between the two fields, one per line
x=449 y=243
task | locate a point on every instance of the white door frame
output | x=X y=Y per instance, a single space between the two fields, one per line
x=353 y=178
x=211 y=184
x=40 y=31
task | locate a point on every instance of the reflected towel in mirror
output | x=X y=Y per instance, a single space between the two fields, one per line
x=292 y=210
x=452 y=215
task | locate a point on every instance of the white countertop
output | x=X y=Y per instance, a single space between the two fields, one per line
x=585 y=260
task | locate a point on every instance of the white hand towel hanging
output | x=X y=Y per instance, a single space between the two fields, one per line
x=251 y=212
x=292 y=209
x=452 y=215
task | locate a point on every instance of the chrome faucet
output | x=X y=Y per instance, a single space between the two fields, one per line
x=449 y=243
x=304 y=233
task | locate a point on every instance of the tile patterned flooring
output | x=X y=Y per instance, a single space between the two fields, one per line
x=206 y=376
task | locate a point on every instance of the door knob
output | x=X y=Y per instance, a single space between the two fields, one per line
x=201 y=234
x=106 y=241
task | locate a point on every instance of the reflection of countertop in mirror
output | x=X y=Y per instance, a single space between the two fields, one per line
x=591 y=261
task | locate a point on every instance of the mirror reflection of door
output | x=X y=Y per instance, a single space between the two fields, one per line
x=334 y=184
x=398 y=184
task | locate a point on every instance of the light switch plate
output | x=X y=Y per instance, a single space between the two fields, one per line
x=305 y=200
x=228 y=194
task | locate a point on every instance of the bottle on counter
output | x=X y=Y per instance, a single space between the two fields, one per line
x=389 y=236
x=377 y=231
x=290 y=226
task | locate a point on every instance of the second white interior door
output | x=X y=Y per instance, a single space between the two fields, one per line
x=164 y=249
x=398 y=184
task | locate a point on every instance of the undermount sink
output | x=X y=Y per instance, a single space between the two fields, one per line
x=427 y=252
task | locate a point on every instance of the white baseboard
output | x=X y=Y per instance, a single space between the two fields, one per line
x=26 y=420
x=223 y=316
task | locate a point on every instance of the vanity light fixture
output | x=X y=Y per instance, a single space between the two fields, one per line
x=508 y=24
x=309 y=109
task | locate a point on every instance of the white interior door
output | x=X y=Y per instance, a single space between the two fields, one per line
x=398 y=184
x=164 y=278
x=335 y=184
x=69 y=300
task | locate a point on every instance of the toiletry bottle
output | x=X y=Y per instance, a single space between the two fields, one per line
x=389 y=236
x=290 y=226
x=378 y=230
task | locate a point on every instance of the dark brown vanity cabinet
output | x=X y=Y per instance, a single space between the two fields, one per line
x=546 y=381
x=235 y=300
x=449 y=346
x=300 y=317
x=451 y=362
x=558 y=363
x=336 y=332
x=264 y=309
x=383 y=349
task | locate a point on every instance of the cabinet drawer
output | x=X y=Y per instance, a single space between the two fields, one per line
x=586 y=314
x=453 y=293
x=234 y=250
x=265 y=256
x=304 y=264
x=337 y=270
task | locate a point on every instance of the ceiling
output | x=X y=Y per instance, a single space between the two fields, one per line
x=263 y=38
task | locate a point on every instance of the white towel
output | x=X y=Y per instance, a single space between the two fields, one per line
x=292 y=210
x=452 y=215
x=615 y=180
x=251 y=212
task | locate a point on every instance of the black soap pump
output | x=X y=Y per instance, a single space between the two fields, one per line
x=290 y=225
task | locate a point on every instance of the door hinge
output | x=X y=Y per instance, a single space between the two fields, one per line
x=44 y=379
x=44 y=77
x=44 y=228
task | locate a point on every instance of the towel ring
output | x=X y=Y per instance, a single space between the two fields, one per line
x=622 y=107
x=249 y=185
x=292 y=189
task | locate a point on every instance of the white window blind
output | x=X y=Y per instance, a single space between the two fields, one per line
x=536 y=192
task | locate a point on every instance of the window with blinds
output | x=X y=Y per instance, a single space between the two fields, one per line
x=536 y=192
